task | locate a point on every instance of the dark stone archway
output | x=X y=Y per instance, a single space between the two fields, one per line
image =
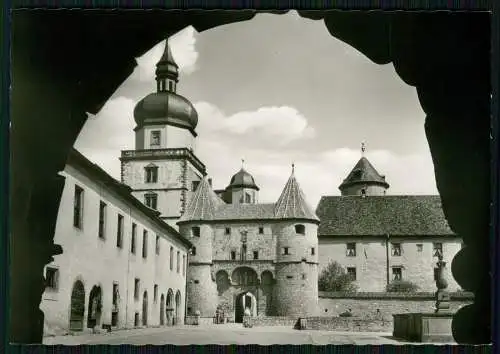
x=445 y=56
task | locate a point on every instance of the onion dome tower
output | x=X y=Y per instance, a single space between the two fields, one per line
x=163 y=170
x=364 y=180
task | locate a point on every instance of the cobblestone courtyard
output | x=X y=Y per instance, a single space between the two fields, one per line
x=224 y=335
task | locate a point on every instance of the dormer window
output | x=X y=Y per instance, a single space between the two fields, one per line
x=248 y=198
x=227 y=231
x=194 y=185
x=195 y=231
x=363 y=192
x=155 y=138
x=151 y=173
x=300 y=229
x=151 y=200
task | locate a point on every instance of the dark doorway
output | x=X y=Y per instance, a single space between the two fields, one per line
x=77 y=311
x=162 y=310
x=145 y=309
x=243 y=301
x=177 y=315
x=95 y=307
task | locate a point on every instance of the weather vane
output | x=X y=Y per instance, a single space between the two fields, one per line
x=242 y=163
x=363 y=148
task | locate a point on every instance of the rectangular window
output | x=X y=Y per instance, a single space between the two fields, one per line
x=52 y=278
x=396 y=249
x=171 y=258
x=420 y=247
x=119 y=232
x=261 y=230
x=194 y=185
x=255 y=254
x=183 y=265
x=228 y=231
x=144 y=244
x=115 y=294
x=193 y=251
x=233 y=255
x=437 y=248
x=136 y=288
x=155 y=138
x=351 y=249
x=134 y=238
x=178 y=262
x=151 y=200
x=157 y=244
x=195 y=231
x=313 y=251
x=102 y=219
x=151 y=174
x=155 y=293
x=78 y=208
x=286 y=250
x=351 y=271
x=397 y=273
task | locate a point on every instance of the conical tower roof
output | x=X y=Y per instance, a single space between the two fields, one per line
x=202 y=205
x=292 y=202
x=364 y=173
x=167 y=67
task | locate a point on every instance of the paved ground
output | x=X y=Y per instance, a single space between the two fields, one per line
x=223 y=335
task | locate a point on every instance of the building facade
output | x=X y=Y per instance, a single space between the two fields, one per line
x=263 y=257
x=122 y=265
x=380 y=238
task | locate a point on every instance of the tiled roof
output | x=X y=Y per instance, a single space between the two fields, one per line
x=292 y=203
x=381 y=215
x=245 y=211
x=364 y=172
x=207 y=206
x=203 y=203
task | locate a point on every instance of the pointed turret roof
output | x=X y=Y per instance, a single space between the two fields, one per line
x=292 y=202
x=364 y=173
x=167 y=67
x=203 y=204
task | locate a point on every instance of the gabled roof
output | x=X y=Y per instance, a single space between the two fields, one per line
x=292 y=203
x=203 y=203
x=364 y=172
x=403 y=215
x=77 y=160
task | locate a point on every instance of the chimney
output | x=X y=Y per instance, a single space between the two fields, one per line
x=210 y=182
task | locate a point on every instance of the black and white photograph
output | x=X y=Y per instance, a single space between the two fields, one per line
x=286 y=177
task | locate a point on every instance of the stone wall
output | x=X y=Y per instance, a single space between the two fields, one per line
x=262 y=321
x=365 y=305
x=348 y=324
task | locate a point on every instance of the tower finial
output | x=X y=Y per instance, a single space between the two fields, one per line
x=167 y=71
x=363 y=148
x=293 y=168
x=242 y=163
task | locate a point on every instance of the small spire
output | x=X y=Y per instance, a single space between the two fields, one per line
x=363 y=148
x=242 y=164
x=293 y=168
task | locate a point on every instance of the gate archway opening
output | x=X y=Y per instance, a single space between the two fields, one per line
x=77 y=310
x=243 y=301
x=95 y=307
x=170 y=307
x=178 y=301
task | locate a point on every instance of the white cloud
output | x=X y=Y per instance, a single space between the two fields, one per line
x=183 y=46
x=279 y=125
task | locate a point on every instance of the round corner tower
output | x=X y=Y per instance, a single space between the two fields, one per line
x=195 y=226
x=296 y=268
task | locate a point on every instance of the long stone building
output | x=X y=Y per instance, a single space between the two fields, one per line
x=379 y=238
x=122 y=265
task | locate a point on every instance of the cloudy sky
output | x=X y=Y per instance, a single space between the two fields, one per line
x=296 y=96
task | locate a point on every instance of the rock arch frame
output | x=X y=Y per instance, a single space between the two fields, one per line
x=426 y=49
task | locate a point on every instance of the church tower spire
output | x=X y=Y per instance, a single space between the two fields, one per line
x=167 y=71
